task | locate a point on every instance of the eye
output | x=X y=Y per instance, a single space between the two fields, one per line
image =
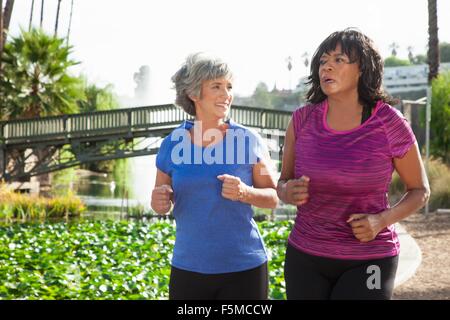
x=322 y=62
x=340 y=60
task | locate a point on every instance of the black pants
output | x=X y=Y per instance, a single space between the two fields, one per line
x=249 y=284
x=319 y=278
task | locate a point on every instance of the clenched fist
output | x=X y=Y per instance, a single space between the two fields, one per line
x=161 y=198
x=233 y=188
x=366 y=227
x=295 y=191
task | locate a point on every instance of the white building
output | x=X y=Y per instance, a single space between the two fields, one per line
x=408 y=78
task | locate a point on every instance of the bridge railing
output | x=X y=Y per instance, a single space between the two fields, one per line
x=124 y=120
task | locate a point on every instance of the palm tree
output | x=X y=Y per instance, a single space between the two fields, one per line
x=394 y=46
x=35 y=79
x=433 y=41
x=410 y=54
x=289 y=66
x=305 y=57
x=31 y=15
x=57 y=17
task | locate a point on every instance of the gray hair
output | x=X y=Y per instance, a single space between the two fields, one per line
x=188 y=80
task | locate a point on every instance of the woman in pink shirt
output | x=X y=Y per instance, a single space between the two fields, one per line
x=339 y=155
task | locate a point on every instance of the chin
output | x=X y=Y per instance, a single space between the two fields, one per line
x=223 y=114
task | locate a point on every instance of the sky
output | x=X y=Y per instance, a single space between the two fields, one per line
x=113 y=38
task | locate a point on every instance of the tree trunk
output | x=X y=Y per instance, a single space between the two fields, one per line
x=42 y=13
x=31 y=15
x=1 y=34
x=7 y=15
x=70 y=22
x=5 y=24
x=433 y=41
x=57 y=17
x=1 y=29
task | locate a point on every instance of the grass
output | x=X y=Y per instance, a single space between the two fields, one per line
x=21 y=206
x=439 y=178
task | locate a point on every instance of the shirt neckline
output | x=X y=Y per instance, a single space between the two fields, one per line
x=187 y=125
x=325 y=124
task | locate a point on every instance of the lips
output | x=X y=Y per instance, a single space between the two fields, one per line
x=327 y=80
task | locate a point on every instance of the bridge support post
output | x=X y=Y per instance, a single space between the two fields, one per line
x=2 y=162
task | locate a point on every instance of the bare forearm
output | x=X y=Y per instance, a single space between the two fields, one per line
x=412 y=201
x=261 y=197
x=281 y=190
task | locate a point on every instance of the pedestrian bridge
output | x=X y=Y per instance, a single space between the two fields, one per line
x=30 y=147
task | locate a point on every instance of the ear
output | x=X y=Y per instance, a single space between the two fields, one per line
x=193 y=98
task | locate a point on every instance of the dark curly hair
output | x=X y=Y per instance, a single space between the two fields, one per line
x=361 y=49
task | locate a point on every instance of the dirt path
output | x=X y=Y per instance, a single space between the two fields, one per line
x=432 y=279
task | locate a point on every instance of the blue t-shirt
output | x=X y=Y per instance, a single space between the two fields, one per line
x=213 y=234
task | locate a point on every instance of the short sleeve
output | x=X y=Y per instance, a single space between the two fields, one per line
x=261 y=150
x=255 y=146
x=398 y=131
x=163 y=161
x=296 y=120
x=299 y=116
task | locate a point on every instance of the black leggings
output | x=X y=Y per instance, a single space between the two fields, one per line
x=311 y=277
x=249 y=284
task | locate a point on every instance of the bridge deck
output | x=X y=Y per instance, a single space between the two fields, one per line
x=123 y=123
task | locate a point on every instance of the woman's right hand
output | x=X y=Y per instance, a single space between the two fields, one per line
x=294 y=191
x=161 y=198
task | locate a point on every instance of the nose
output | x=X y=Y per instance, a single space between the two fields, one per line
x=327 y=66
x=227 y=92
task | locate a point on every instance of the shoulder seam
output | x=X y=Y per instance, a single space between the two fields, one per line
x=306 y=113
x=385 y=132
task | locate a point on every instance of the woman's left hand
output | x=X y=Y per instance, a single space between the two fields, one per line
x=233 y=188
x=365 y=226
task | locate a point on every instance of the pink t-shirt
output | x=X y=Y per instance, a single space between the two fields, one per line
x=350 y=172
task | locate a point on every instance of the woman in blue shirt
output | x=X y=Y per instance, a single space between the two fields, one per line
x=212 y=170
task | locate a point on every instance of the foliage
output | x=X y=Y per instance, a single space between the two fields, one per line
x=35 y=79
x=98 y=98
x=444 y=51
x=275 y=99
x=87 y=260
x=105 y=259
x=261 y=96
x=440 y=117
x=393 y=61
x=420 y=59
x=275 y=235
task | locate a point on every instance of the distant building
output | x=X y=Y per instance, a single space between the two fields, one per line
x=407 y=81
x=410 y=83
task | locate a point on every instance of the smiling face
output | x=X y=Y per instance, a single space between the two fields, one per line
x=338 y=75
x=215 y=99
